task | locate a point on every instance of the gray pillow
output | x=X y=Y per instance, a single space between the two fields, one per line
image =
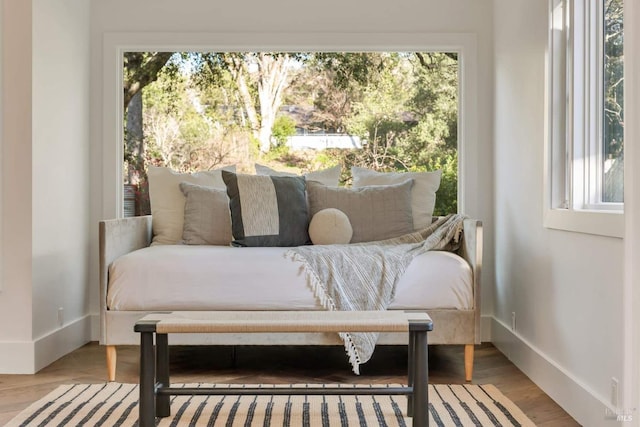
x=207 y=220
x=423 y=193
x=376 y=212
x=267 y=210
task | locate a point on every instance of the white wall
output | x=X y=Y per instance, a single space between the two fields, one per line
x=45 y=193
x=565 y=288
x=252 y=19
x=61 y=51
x=15 y=298
x=290 y=16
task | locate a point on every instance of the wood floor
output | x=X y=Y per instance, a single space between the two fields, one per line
x=285 y=365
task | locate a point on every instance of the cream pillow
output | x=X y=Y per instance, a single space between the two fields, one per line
x=329 y=176
x=330 y=227
x=423 y=193
x=167 y=201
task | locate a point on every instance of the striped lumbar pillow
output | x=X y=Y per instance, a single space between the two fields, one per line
x=267 y=210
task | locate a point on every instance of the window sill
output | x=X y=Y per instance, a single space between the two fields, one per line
x=600 y=223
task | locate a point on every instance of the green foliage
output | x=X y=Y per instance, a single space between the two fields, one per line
x=142 y=68
x=409 y=122
x=347 y=69
x=402 y=105
x=283 y=128
x=181 y=132
x=447 y=195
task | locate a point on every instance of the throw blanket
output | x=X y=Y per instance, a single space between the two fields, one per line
x=363 y=276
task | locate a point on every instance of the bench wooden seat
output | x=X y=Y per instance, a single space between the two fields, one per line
x=155 y=388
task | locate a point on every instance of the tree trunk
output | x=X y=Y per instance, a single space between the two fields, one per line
x=141 y=69
x=273 y=73
x=134 y=143
x=272 y=80
x=239 y=74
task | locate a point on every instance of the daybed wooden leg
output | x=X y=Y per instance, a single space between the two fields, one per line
x=468 y=361
x=111 y=362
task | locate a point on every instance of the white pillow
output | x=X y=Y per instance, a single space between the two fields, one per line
x=329 y=177
x=330 y=226
x=423 y=192
x=167 y=201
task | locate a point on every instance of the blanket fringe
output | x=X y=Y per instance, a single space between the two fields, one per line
x=443 y=234
x=325 y=300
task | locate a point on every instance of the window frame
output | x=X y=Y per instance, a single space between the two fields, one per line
x=573 y=158
x=115 y=44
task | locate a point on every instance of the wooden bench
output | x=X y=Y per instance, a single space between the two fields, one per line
x=155 y=388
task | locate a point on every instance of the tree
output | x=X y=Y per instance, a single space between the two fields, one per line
x=338 y=80
x=180 y=131
x=613 y=134
x=283 y=128
x=380 y=118
x=404 y=105
x=260 y=78
x=202 y=109
x=140 y=69
x=432 y=143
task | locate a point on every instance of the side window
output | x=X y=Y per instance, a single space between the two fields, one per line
x=586 y=108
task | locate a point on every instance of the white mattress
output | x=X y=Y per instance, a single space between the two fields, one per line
x=181 y=277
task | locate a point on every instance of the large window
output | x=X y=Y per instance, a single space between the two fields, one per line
x=293 y=111
x=471 y=142
x=586 y=115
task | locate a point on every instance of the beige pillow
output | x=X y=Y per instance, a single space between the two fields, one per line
x=375 y=212
x=423 y=193
x=330 y=227
x=167 y=201
x=330 y=176
x=207 y=219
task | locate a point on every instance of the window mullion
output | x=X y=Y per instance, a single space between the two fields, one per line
x=578 y=112
x=592 y=105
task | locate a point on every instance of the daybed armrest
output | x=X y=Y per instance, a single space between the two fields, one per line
x=119 y=237
x=471 y=251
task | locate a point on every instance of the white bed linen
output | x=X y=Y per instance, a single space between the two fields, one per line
x=181 y=277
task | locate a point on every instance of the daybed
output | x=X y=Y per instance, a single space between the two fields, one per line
x=183 y=256
x=136 y=278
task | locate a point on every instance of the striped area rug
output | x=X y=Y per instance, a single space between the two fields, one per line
x=114 y=404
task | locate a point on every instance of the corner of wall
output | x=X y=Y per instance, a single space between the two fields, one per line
x=28 y=357
x=581 y=402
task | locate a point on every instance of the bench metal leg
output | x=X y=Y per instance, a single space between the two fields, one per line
x=410 y=370
x=147 y=409
x=163 y=408
x=421 y=381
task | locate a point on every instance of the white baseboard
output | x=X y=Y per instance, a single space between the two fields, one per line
x=576 y=398
x=16 y=357
x=28 y=357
